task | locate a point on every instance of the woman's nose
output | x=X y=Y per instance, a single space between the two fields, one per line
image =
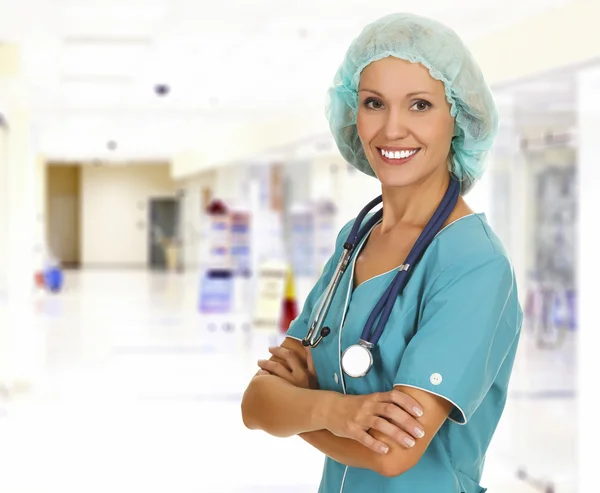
x=396 y=125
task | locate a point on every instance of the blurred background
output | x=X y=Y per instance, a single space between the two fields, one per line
x=169 y=193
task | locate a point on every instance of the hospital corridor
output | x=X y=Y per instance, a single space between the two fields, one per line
x=136 y=397
x=175 y=190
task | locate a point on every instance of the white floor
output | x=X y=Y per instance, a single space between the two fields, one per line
x=133 y=394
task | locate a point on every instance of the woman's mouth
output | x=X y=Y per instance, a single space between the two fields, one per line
x=397 y=156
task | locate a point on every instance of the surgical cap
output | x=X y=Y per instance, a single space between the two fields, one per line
x=441 y=51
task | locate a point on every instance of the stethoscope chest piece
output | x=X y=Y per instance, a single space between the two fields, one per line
x=357 y=360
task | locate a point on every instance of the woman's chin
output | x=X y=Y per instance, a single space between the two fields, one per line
x=395 y=178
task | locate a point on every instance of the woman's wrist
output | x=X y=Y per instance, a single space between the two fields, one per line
x=323 y=408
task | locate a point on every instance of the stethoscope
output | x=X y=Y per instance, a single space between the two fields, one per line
x=357 y=360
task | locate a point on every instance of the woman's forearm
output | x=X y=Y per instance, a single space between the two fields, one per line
x=343 y=450
x=281 y=409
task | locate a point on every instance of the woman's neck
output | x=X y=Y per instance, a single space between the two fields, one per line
x=412 y=206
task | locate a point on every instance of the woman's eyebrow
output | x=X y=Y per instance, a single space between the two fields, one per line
x=371 y=90
x=409 y=95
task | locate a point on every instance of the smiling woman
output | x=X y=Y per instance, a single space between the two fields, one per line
x=420 y=320
x=437 y=63
x=403 y=117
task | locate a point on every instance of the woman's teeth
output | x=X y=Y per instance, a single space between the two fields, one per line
x=397 y=154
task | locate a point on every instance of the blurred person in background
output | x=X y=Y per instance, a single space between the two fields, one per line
x=410 y=107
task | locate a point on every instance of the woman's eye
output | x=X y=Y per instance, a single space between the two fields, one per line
x=422 y=105
x=373 y=104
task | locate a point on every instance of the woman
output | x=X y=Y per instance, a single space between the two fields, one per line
x=410 y=107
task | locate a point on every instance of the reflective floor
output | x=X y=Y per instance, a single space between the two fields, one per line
x=135 y=394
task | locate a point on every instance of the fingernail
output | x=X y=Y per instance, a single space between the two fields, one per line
x=261 y=361
x=418 y=411
x=383 y=449
x=419 y=432
x=409 y=441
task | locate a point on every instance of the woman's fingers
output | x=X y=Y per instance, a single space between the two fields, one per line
x=400 y=436
x=275 y=368
x=400 y=419
x=402 y=400
x=290 y=357
x=371 y=443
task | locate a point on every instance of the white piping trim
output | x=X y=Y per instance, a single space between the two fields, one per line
x=339 y=352
x=348 y=292
x=344 y=480
x=342 y=379
x=375 y=277
x=459 y=219
x=345 y=312
x=358 y=252
x=439 y=395
x=400 y=266
x=295 y=338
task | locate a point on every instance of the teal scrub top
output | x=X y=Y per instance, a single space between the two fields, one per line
x=453 y=332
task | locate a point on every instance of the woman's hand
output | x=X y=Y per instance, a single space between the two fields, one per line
x=288 y=365
x=352 y=416
x=392 y=413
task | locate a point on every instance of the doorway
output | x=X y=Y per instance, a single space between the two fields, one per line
x=63 y=192
x=164 y=214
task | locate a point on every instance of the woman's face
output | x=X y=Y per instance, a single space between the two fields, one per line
x=403 y=122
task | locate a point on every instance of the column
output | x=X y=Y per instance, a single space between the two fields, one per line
x=507 y=177
x=588 y=120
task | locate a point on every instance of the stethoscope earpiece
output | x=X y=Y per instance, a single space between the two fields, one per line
x=306 y=342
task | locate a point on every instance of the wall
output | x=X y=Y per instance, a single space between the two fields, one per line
x=228 y=183
x=41 y=207
x=562 y=37
x=114 y=213
x=250 y=141
x=309 y=179
x=19 y=360
x=191 y=214
x=349 y=189
x=3 y=207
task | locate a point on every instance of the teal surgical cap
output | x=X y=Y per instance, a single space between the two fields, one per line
x=439 y=49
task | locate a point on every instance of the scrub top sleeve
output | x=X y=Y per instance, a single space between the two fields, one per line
x=299 y=326
x=468 y=324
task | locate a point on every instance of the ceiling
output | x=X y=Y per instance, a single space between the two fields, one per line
x=91 y=67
